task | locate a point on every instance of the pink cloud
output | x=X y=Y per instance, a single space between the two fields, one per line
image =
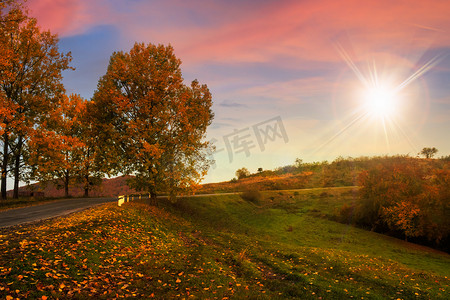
x=57 y=15
x=69 y=17
x=285 y=32
x=307 y=30
x=293 y=91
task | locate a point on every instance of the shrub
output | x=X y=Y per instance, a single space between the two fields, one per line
x=253 y=196
x=242 y=173
x=406 y=195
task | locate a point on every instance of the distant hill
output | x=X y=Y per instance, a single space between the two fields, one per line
x=110 y=187
x=261 y=182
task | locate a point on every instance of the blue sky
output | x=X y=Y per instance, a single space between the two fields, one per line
x=296 y=60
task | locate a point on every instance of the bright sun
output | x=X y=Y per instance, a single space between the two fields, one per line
x=380 y=101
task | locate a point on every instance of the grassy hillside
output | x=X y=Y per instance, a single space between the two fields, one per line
x=267 y=181
x=279 y=247
x=338 y=173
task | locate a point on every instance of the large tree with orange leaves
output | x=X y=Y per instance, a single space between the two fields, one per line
x=155 y=122
x=30 y=82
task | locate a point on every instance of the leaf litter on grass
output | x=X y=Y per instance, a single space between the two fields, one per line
x=145 y=251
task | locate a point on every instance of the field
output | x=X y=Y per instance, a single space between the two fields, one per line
x=279 y=247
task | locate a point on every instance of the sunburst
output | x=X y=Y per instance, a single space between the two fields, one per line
x=382 y=99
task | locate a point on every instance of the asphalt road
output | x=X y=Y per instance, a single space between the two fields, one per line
x=48 y=210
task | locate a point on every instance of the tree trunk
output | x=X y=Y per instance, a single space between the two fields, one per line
x=4 y=164
x=18 y=154
x=152 y=187
x=172 y=196
x=86 y=176
x=86 y=186
x=153 y=195
x=66 y=184
x=172 y=192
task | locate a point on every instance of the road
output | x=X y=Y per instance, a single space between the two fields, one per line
x=48 y=210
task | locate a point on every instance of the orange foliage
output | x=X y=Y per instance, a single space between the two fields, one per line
x=408 y=195
x=156 y=123
x=30 y=82
x=56 y=147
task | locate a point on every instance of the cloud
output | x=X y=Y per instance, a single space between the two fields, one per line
x=232 y=104
x=292 y=91
x=294 y=32
x=219 y=125
x=287 y=33
x=65 y=17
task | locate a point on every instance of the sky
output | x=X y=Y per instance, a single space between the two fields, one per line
x=312 y=79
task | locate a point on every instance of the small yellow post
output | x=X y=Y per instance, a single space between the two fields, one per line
x=121 y=200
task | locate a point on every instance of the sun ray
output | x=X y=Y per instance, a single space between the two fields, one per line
x=357 y=119
x=351 y=64
x=375 y=74
x=404 y=134
x=420 y=72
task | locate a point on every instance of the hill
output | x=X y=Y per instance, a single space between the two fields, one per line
x=110 y=187
x=259 y=182
x=338 y=173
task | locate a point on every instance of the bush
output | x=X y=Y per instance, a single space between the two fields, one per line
x=242 y=173
x=253 y=196
x=406 y=195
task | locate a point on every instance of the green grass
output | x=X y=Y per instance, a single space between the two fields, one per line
x=218 y=247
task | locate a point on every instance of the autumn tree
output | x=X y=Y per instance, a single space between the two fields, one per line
x=30 y=83
x=298 y=164
x=428 y=152
x=67 y=148
x=56 y=147
x=242 y=173
x=155 y=123
x=96 y=160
